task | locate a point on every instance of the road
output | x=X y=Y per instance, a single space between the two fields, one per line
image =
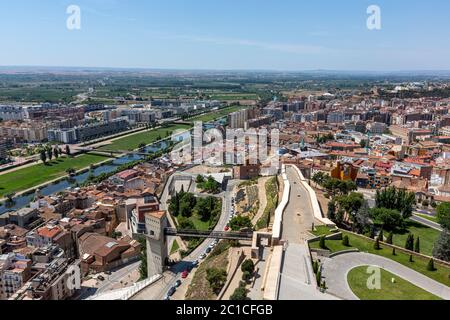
x=427 y=222
x=158 y=291
x=297 y=279
x=335 y=272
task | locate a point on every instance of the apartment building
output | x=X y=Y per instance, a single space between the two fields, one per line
x=15 y=270
x=24 y=131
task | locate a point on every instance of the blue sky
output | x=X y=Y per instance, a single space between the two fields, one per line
x=228 y=34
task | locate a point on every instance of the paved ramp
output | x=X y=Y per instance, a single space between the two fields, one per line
x=297 y=279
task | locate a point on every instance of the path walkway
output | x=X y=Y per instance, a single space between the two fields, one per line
x=427 y=222
x=297 y=279
x=335 y=271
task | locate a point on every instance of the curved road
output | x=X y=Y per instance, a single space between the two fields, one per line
x=335 y=271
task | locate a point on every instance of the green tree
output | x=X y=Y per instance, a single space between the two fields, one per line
x=443 y=215
x=248 y=266
x=200 y=179
x=43 y=156
x=332 y=210
x=386 y=218
x=56 y=152
x=315 y=266
x=322 y=243
x=417 y=245
x=390 y=238
x=376 y=245
x=430 y=266
x=319 y=276
x=205 y=208
x=351 y=203
x=185 y=209
x=409 y=245
x=240 y=222
x=441 y=249
x=216 y=278
x=185 y=223
x=50 y=154
x=394 y=199
x=174 y=205
x=362 y=219
x=346 y=241
x=247 y=276
x=240 y=294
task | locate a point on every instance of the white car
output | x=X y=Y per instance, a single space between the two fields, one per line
x=202 y=256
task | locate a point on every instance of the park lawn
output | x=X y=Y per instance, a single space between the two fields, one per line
x=400 y=290
x=322 y=231
x=199 y=224
x=427 y=235
x=132 y=142
x=332 y=245
x=33 y=176
x=441 y=274
x=217 y=114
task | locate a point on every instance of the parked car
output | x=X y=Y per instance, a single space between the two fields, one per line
x=226 y=228
x=195 y=263
x=185 y=274
x=101 y=278
x=208 y=250
x=202 y=256
x=171 y=291
x=167 y=297
x=178 y=283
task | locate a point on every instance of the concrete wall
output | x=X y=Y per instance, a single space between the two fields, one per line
x=277 y=225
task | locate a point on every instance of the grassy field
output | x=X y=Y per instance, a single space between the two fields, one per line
x=33 y=176
x=216 y=115
x=427 y=235
x=322 y=231
x=441 y=274
x=400 y=290
x=132 y=142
